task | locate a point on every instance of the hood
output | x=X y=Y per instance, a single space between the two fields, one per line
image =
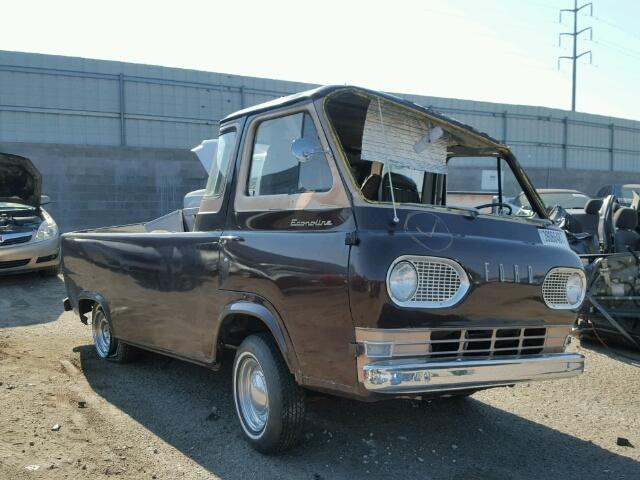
x=20 y=181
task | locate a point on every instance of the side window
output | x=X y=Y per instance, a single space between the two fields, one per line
x=275 y=170
x=220 y=165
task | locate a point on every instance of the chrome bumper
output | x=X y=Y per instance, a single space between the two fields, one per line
x=416 y=376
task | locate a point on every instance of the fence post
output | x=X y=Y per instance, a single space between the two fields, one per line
x=612 y=131
x=565 y=139
x=505 y=130
x=242 y=101
x=123 y=126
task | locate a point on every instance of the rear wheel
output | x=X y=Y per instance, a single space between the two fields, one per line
x=269 y=403
x=106 y=345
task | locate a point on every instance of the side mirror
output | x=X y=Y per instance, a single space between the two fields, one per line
x=304 y=149
x=44 y=199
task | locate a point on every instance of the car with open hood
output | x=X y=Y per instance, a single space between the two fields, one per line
x=29 y=237
x=327 y=254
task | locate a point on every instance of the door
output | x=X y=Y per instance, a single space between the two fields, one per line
x=287 y=244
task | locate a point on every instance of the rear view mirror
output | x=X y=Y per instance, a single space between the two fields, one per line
x=44 y=199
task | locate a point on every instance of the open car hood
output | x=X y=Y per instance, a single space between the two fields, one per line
x=20 y=181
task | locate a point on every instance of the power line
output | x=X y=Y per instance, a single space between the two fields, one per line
x=615 y=25
x=574 y=58
x=620 y=49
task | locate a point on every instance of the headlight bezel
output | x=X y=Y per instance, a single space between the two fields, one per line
x=570 y=272
x=420 y=262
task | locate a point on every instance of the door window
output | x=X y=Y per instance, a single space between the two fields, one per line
x=275 y=170
x=220 y=165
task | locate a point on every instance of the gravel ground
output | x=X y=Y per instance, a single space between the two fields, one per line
x=162 y=418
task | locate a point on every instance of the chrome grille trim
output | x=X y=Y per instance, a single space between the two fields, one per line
x=7 y=239
x=553 y=237
x=464 y=342
x=442 y=282
x=554 y=288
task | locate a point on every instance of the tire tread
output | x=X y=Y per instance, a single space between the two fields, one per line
x=293 y=402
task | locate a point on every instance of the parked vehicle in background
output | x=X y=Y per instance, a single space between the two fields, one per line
x=622 y=192
x=29 y=237
x=606 y=236
x=326 y=254
x=552 y=197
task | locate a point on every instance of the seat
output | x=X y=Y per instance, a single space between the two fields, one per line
x=587 y=222
x=626 y=221
x=370 y=186
x=404 y=189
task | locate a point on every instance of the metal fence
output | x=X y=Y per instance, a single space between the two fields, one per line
x=65 y=100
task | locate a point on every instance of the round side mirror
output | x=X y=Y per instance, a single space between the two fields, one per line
x=303 y=149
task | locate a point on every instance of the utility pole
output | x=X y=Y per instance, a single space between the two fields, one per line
x=574 y=58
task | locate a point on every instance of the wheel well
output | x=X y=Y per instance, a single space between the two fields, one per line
x=236 y=327
x=85 y=305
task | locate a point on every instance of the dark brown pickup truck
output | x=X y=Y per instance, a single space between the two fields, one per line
x=326 y=254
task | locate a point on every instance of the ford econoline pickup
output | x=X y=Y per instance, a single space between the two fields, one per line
x=328 y=255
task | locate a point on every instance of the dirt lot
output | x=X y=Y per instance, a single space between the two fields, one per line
x=162 y=418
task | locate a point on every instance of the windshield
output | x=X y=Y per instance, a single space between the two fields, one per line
x=397 y=154
x=552 y=199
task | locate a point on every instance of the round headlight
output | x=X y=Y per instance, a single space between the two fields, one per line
x=403 y=281
x=575 y=289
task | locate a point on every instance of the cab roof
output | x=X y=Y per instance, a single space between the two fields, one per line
x=324 y=91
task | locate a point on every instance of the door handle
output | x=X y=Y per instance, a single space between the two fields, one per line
x=231 y=238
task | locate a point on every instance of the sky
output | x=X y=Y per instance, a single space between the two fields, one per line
x=488 y=50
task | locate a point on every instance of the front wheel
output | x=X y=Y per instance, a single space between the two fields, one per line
x=106 y=345
x=269 y=403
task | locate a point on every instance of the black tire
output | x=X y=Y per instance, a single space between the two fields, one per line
x=112 y=350
x=285 y=405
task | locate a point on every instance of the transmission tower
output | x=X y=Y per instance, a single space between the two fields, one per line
x=574 y=58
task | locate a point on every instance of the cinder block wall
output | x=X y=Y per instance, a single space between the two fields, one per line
x=94 y=186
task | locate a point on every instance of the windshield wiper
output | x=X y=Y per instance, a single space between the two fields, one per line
x=471 y=212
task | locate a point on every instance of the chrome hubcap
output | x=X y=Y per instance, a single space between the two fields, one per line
x=101 y=334
x=251 y=394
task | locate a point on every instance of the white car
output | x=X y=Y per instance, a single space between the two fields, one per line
x=29 y=237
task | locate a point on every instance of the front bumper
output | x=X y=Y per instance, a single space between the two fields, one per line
x=30 y=256
x=423 y=376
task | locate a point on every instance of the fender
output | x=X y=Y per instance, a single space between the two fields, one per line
x=272 y=322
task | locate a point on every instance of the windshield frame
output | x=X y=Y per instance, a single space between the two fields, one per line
x=484 y=147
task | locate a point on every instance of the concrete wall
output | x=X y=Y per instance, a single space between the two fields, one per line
x=68 y=100
x=111 y=138
x=94 y=186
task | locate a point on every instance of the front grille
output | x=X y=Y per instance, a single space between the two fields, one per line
x=14 y=240
x=447 y=343
x=484 y=342
x=14 y=263
x=437 y=282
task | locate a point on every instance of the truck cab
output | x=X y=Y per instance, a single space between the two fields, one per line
x=326 y=253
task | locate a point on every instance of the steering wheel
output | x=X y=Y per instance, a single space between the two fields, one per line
x=497 y=204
